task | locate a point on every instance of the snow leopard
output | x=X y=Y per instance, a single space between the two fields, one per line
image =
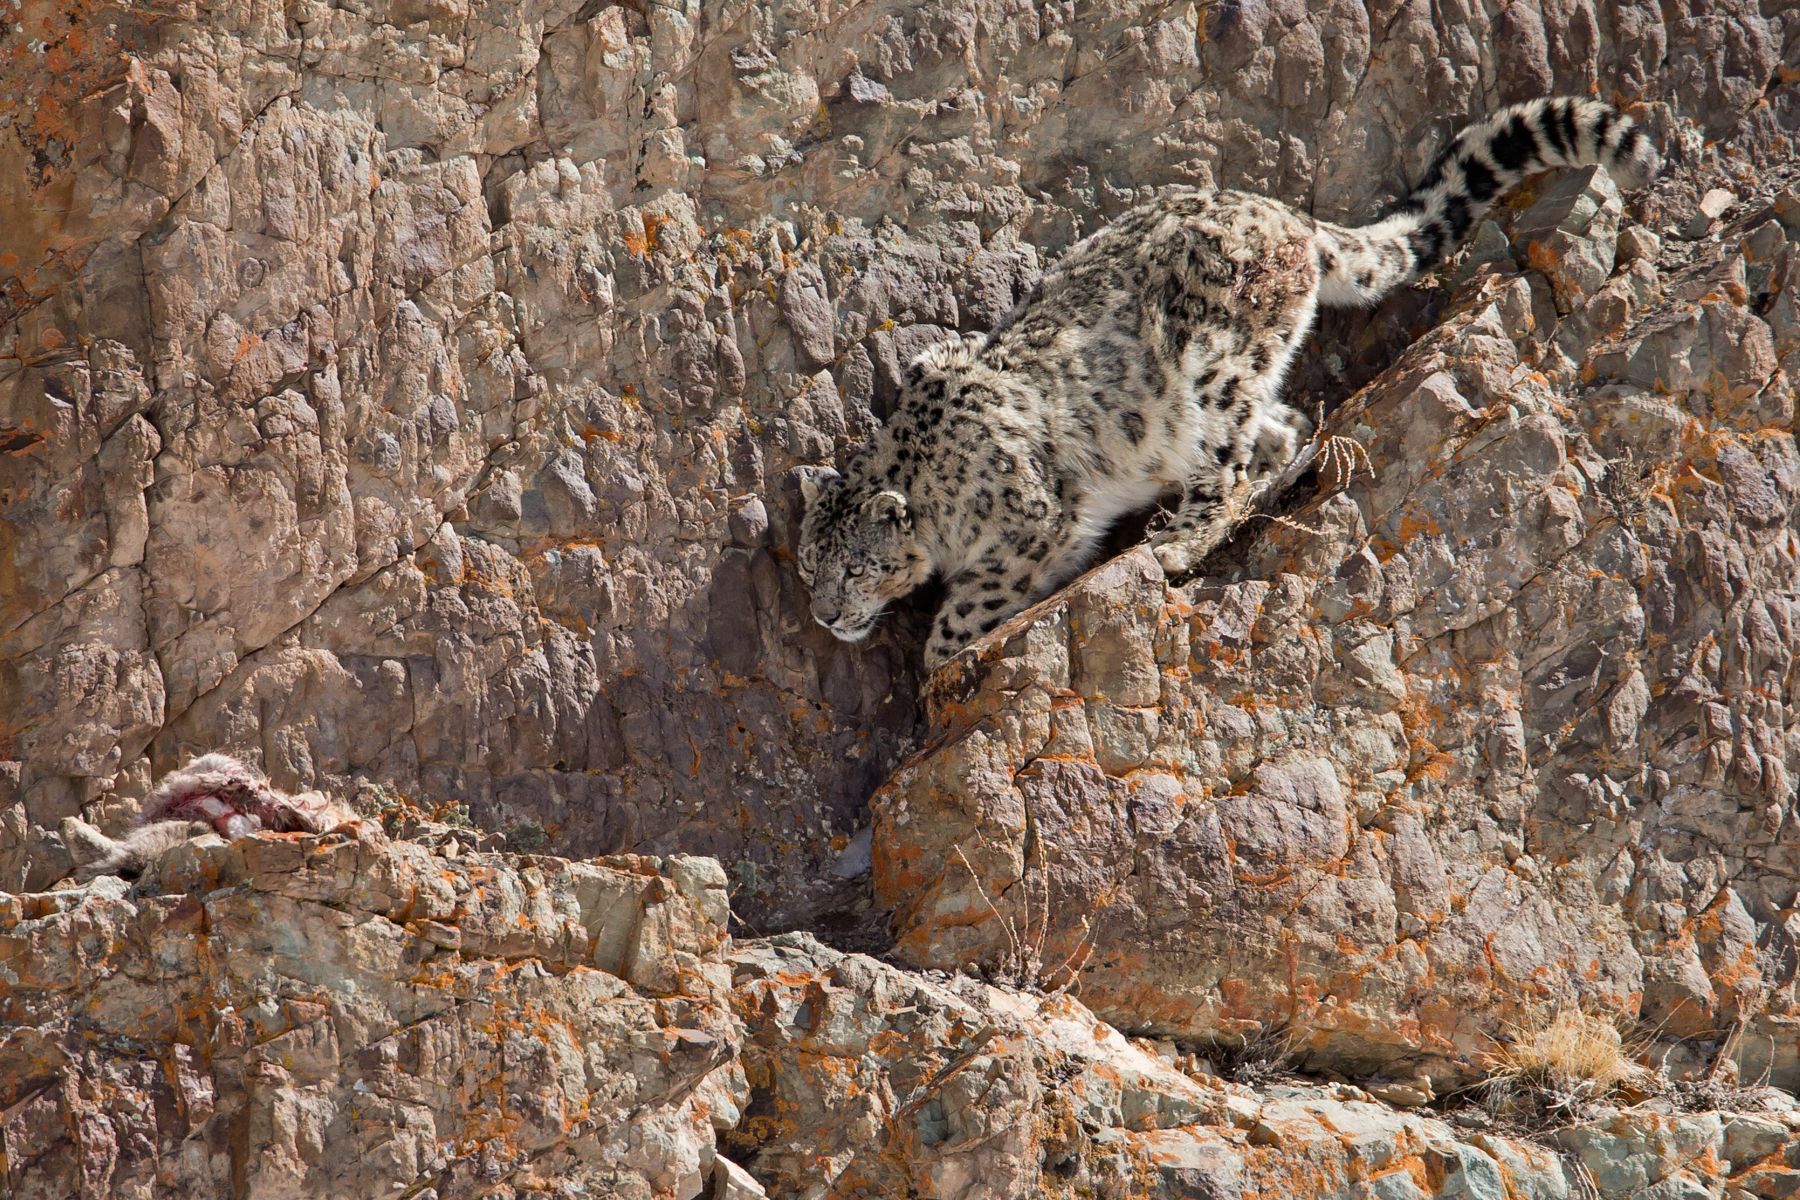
x=1147 y=362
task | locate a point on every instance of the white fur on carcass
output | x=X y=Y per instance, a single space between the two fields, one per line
x=213 y=793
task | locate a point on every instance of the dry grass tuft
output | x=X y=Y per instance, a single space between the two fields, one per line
x=1337 y=459
x=1561 y=1060
x=1269 y=1055
x=1341 y=460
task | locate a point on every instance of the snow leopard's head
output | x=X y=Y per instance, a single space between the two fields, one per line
x=857 y=551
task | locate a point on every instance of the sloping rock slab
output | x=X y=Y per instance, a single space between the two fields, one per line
x=867 y=1081
x=353 y=1017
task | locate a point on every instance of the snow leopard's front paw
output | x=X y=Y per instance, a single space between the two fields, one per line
x=1179 y=550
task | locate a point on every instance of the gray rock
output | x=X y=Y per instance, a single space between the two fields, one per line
x=1715 y=204
x=1638 y=244
x=1787 y=208
x=808 y=314
x=1570 y=234
x=1488 y=245
x=732 y=1182
x=749 y=522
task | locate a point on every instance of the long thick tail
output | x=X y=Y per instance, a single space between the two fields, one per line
x=1360 y=266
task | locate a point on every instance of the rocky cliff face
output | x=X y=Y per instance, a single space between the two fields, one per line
x=1505 y=720
x=403 y=394
x=355 y=1017
x=405 y=391
x=345 y=1015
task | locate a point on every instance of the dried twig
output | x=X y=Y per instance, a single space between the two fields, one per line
x=1024 y=966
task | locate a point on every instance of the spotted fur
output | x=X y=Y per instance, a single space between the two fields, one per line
x=1147 y=361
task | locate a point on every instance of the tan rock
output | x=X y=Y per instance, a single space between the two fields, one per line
x=281 y=1014
x=404 y=394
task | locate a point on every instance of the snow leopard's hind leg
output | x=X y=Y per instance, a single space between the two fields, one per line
x=1218 y=497
x=1237 y=301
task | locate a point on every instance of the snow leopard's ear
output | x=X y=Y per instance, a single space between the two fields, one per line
x=889 y=505
x=812 y=482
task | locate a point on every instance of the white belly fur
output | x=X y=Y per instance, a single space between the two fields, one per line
x=1111 y=499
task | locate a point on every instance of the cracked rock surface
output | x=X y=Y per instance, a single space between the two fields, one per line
x=405 y=391
x=401 y=395
x=871 y=1081
x=1508 y=721
x=354 y=1016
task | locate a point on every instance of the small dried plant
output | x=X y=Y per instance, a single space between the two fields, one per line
x=1023 y=966
x=1337 y=460
x=1341 y=460
x=1270 y=1054
x=1561 y=1060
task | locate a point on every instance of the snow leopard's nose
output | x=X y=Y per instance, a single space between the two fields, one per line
x=826 y=613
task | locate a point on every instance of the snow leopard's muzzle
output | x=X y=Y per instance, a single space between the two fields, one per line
x=846 y=626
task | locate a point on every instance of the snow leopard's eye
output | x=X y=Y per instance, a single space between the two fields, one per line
x=856 y=570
